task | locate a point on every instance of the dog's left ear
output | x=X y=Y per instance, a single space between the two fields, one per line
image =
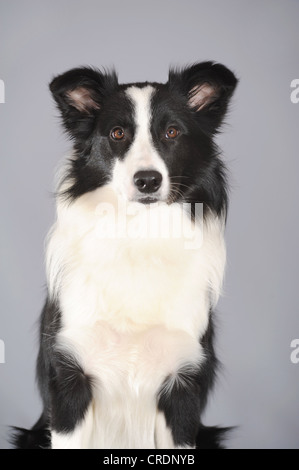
x=207 y=88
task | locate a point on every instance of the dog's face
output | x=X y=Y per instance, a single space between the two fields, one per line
x=151 y=142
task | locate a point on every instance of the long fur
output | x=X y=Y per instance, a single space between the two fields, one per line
x=126 y=354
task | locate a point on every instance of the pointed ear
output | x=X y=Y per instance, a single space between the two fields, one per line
x=207 y=88
x=79 y=94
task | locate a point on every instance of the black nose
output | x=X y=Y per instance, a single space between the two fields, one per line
x=148 y=181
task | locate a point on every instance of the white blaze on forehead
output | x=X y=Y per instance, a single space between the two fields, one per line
x=142 y=154
x=141 y=99
x=143 y=150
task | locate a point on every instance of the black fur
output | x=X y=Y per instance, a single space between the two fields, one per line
x=92 y=103
x=38 y=437
x=183 y=406
x=71 y=392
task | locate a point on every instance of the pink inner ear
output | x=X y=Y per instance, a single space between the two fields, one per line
x=81 y=98
x=201 y=95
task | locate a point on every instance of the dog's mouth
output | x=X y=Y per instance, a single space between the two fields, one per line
x=174 y=195
x=172 y=198
x=148 y=200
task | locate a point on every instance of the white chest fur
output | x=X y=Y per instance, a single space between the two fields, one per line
x=133 y=308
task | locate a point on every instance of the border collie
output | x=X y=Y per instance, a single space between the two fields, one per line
x=126 y=355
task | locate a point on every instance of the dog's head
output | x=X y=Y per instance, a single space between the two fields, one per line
x=149 y=141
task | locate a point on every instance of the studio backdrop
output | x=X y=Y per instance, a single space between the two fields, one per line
x=257 y=322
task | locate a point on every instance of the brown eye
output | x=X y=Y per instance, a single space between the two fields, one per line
x=172 y=133
x=117 y=133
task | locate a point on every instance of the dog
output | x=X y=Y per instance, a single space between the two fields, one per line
x=126 y=355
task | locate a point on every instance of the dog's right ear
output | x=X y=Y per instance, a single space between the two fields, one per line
x=79 y=94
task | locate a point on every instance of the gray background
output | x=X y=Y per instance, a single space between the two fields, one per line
x=258 y=388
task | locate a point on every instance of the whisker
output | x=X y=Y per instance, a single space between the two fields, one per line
x=175 y=192
x=171 y=177
x=177 y=186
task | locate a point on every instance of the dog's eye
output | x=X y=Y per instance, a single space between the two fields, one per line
x=172 y=133
x=117 y=133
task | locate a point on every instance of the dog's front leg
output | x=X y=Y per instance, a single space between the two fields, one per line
x=70 y=398
x=178 y=415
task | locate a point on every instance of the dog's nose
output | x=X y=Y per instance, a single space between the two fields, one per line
x=147 y=181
